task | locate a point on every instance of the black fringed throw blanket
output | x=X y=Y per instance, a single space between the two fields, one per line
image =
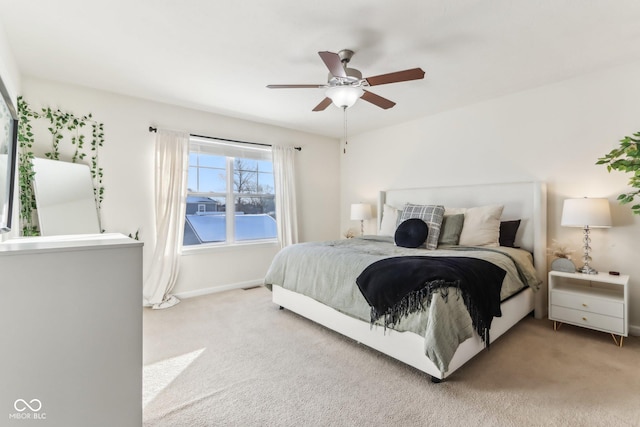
x=395 y=287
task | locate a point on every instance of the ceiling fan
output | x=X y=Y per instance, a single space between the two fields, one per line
x=345 y=85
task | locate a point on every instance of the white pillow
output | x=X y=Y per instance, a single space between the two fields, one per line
x=389 y=219
x=454 y=211
x=481 y=226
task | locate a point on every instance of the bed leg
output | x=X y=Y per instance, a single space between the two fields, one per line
x=435 y=380
x=281 y=308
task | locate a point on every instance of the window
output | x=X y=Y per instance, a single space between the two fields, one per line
x=230 y=196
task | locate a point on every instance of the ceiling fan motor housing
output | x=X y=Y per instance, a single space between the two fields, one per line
x=353 y=76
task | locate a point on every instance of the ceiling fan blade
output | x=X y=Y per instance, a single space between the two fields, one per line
x=295 y=86
x=377 y=100
x=333 y=63
x=324 y=104
x=398 y=76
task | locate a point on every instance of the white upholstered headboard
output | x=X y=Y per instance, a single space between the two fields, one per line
x=526 y=201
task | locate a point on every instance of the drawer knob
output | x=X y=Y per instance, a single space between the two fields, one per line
x=584 y=318
x=584 y=305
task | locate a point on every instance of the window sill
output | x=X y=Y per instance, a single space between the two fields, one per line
x=200 y=249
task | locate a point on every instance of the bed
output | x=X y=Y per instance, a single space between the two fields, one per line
x=436 y=339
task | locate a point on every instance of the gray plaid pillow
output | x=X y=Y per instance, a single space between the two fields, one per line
x=431 y=214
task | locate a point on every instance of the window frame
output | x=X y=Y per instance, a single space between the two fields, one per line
x=230 y=196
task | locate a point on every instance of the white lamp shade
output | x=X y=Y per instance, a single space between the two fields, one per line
x=344 y=96
x=593 y=213
x=360 y=211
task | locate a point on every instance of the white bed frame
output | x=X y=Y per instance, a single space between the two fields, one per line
x=525 y=201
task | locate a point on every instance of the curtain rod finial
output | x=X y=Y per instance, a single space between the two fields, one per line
x=152 y=129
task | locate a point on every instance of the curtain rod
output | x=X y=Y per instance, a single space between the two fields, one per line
x=152 y=129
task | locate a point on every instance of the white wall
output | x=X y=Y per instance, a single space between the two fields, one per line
x=128 y=155
x=553 y=133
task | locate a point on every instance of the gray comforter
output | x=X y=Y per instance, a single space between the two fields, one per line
x=327 y=272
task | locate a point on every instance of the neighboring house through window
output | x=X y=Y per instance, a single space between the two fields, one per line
x=231 y=195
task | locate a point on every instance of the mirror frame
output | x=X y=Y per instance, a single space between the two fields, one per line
x=6 y=205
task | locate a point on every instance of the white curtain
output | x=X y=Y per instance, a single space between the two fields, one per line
x=171 y=168
x=285 y=182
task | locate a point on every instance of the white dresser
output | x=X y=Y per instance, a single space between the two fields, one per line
x=71 y=331
x=596 y=301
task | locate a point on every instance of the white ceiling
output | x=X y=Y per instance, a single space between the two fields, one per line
x=218 y=56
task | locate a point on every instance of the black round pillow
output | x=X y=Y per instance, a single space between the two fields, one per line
x=411 y=233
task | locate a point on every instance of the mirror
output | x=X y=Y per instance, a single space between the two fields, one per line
x=8 y=157
x=64 y=198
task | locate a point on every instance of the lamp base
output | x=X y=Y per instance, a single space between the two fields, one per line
x=587 y=269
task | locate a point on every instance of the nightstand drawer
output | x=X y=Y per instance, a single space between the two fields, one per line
x=586 y=319
x=589 y=303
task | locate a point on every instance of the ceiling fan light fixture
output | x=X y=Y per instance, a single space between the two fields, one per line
x=344 y=96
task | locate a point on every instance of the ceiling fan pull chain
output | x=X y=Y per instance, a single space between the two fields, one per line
x=344 y=109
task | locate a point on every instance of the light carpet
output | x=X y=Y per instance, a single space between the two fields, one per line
x=235 y=359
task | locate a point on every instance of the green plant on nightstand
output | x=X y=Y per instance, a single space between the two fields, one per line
x=626 y=158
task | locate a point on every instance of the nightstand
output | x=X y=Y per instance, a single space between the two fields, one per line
x=596 y=301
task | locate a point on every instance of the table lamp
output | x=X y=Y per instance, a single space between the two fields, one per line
x=360 y=212
x=586 y=213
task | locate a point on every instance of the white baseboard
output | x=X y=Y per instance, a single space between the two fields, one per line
x=634 y=330
x=220 y=288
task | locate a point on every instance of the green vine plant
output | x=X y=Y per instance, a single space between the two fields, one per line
x=626 y=158
x=62 y=126
x=26 y=141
